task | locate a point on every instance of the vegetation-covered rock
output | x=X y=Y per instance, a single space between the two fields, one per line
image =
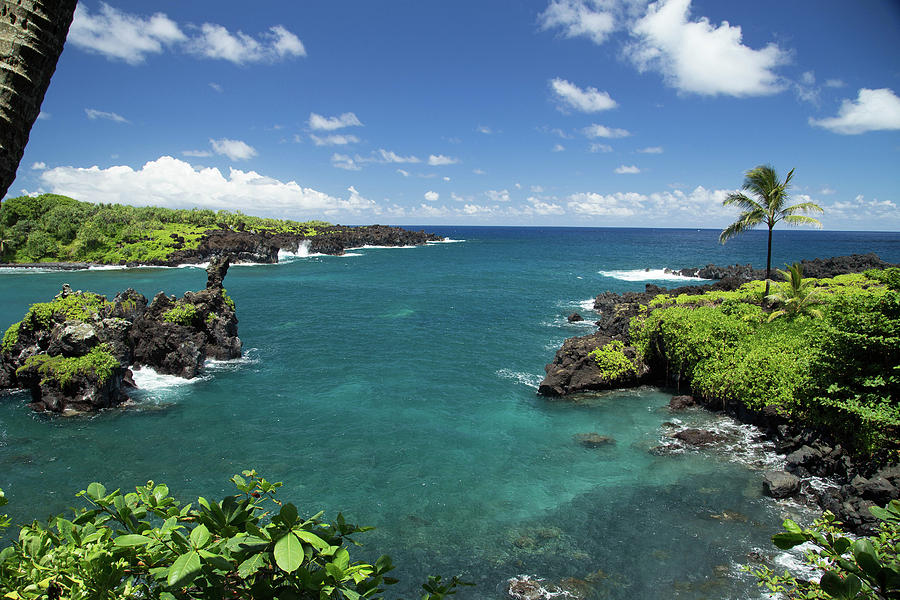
x=73 y=352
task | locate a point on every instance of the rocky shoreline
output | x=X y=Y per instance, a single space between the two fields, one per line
x=263 y=247
x=74 y=353
x=809 y=452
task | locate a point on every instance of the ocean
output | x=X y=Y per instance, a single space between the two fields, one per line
x=398 y=385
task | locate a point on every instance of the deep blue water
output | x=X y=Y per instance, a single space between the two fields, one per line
x=398 y=386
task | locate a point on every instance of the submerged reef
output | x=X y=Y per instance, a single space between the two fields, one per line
x=74 y=353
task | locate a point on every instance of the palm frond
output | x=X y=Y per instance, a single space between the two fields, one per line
x=747 y=220
x=743 y=202
x=803 y=207
x=799 y=220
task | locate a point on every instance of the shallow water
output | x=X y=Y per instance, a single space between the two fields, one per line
x=398 y=386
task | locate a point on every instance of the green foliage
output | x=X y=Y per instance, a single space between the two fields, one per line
x=889 y=277
x=10 y=337
x=183 y=314
x=73 y=307
x=612 y=361
x=50 y=227
x=864 y=568
x=62 y=369
x=4 y=519
x=228 y=301
x=796 y=296
x=145 y=544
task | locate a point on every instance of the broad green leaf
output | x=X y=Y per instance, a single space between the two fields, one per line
x=791 y=526
x=335 y=571
x=786 y=541
x=132 y=540
x=251 y=565
x=342 y=558
x=864 y=553
x=311 y=538
x=184 y=569
x=288 y=553
x=841 y=545
x=288 y=515
x=95 y=491
x=160 y=491
x=199 y=536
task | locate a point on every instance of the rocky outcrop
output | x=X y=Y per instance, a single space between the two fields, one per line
x=818 y=267
x=575 y=370
x=73 y=353
x=780 y=484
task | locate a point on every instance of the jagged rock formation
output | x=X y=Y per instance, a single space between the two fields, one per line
x=73 y=353
x=818 y=267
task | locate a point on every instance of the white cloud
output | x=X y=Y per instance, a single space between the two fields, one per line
x=498 y=195
x=403 y=172
x=334 y=140
x=216 y=87
x=389 y=156
x=595 y=131
x=861 y=208
x=215 y=41
x=873 y=110
x=122 y=36
x=436 y=160
x=627 y=170
x=600 y=148
x=542 y=208
x=484 y=129
x=343 y=161
x=94 y=114
x=320 y=123
x=479 y=172
x=38 y=166
x=537 y=189
x=616 y=205
x=432 y=196
x=698 y=206
x=588 y=100
x=174 y=183
x=651 y=150
x=826 y=191
x=445 y=178
x=576 y=18
x=699 y=57
x=197 y=153
x=558 y=148
x=43 y=116
x=233 y=149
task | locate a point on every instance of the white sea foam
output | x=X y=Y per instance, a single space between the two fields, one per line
x=445 y=241
x=379 y=247
x=108 y=267
x=302 y=252
x=587 y=305
x=148 y=380
x=193 y=265
x=529 y=379
x=352 y=254
x=648 y=275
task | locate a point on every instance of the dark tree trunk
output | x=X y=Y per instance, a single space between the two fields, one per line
x=768 y=263
x=32 y=34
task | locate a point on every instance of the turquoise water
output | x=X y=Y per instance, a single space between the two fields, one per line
x=398 y=386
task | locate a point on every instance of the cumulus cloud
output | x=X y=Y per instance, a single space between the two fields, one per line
x=600 y=148
x=197 y=153
x=585 y=100
x=484 y=129
x=627 y=170
x=131 y=38
x=873 y=110
x=403 y=172
x=334 y=140
x=701 y=58
x=540 y=207
x=595 y=131
x=436 y=160
x=216 y=87
x=389 y=156
x=175 y=183
x=432 y=196
x=498 y=195
x=593 y=19
x=233 y=149
x=94 y=114
x=558 y=148
x=320 y=123
x=677 y=206
x=862 y=208
x=38 y=166
x=122 y=36
x=651 y=150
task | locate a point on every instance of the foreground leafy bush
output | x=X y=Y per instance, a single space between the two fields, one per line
x=863 y=568
x=612 y=361
x=145 y=544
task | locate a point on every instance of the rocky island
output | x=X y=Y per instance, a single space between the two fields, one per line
x=820 y=383
x=75 y=352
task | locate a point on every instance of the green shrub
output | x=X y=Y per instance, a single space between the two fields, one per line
x=612 y=361
x=182 y=314
x=62 y=370
x=145 y=544
x=10 y=337
x=889 y=277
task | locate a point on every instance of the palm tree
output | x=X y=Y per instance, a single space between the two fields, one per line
x=768 y=205
x=796 y=297
x=32 y=34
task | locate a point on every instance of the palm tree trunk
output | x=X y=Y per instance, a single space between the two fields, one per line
x=768 y=263
x=32 y=35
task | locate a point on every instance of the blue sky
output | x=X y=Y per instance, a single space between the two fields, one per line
x=558 y=112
